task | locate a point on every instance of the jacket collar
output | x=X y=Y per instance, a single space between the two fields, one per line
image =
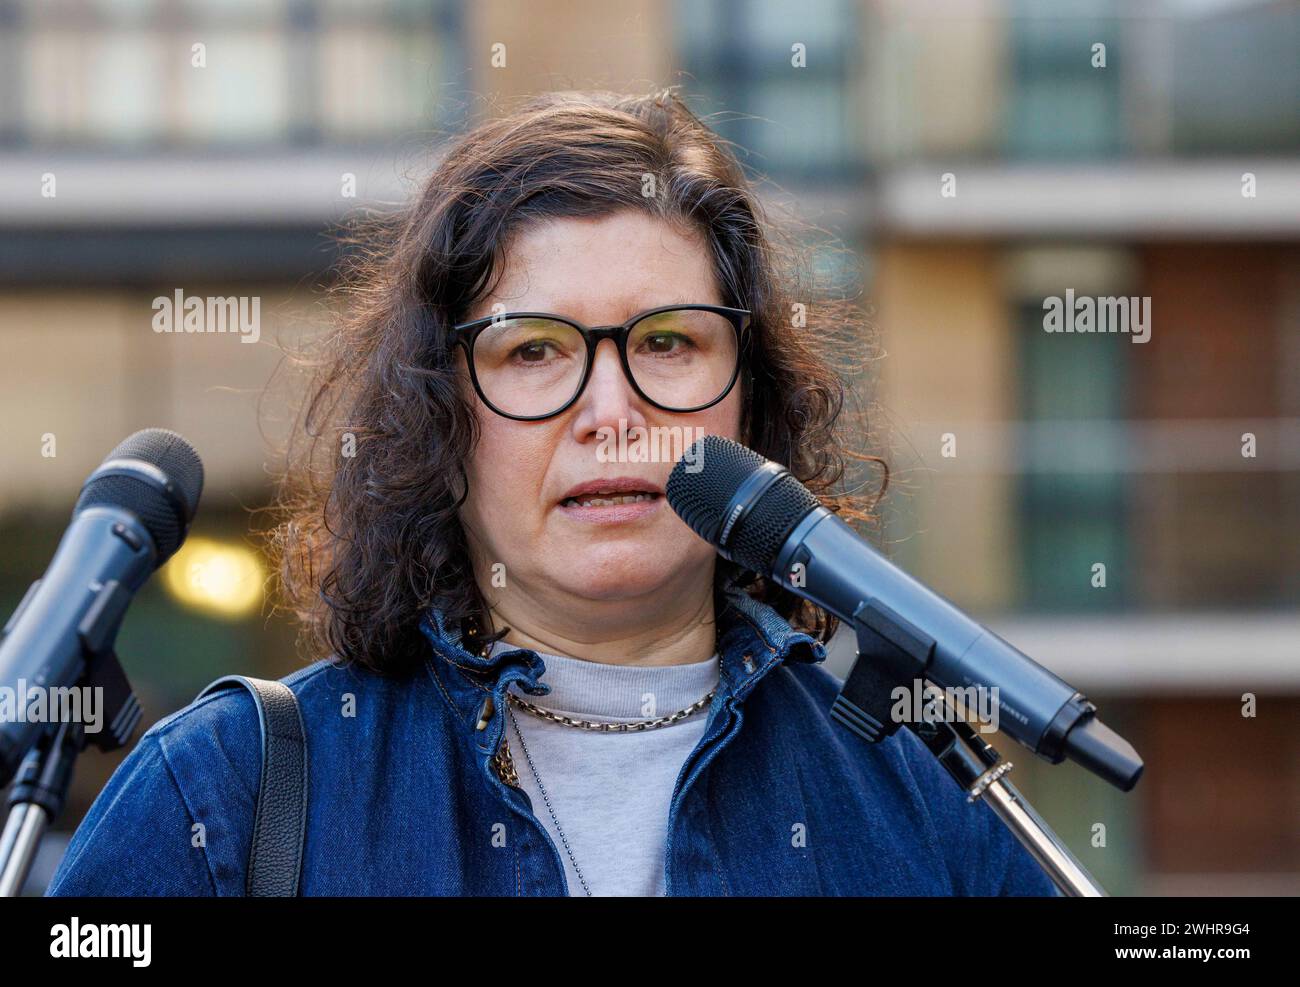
x=752 y=639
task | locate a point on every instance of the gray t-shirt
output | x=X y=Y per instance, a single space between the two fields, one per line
x=610 y=792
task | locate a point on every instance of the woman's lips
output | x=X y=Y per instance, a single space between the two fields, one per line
x=611 y=508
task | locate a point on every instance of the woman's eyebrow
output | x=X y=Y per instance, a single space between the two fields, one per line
x=664 y=304
x=568 y=310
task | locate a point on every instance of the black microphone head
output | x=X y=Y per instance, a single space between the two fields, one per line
x=738 y=501
x=157 y=476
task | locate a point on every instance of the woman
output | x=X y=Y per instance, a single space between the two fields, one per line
x=497 y=584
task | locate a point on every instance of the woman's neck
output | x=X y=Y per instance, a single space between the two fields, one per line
x=618 y=632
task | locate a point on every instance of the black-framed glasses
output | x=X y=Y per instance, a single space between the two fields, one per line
x=533 y=365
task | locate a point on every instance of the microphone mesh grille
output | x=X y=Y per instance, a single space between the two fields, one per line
x=759 y=537
x=172 y=454
x=701 y=499
x=177 y=460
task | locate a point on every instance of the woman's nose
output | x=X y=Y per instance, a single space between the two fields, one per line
x=609 y=397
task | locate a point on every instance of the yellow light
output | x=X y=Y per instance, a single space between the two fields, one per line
x=217 y=577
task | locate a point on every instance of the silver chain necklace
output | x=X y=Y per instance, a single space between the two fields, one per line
x=601 y=726
x=547 y=799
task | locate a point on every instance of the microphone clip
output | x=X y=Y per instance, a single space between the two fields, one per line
x=891 y=653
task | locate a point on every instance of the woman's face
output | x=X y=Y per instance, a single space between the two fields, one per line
x=597 y=272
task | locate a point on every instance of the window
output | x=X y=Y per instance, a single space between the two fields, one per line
x=1059 y=105
x=797 y=122
x=140 y=73
x=1072 y=488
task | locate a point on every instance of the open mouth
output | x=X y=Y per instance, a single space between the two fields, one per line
x=609 y=499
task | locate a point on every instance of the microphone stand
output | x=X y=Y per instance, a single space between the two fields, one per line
x=40 y=787
x=889 y=657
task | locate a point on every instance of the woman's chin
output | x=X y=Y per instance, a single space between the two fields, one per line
x=617 y=576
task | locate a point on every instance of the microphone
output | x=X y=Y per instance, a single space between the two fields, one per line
x=132 y=515
x=759 y=516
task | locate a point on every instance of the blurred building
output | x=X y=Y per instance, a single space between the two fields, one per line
x=978 y=158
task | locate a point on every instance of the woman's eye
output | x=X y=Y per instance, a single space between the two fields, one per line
x=666 y=342
x=531 y=352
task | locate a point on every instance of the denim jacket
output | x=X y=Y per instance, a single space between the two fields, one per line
x=405 y=798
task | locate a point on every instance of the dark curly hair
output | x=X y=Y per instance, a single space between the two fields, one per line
x=367 y=535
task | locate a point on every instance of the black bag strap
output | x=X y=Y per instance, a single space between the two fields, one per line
x=280 y=822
